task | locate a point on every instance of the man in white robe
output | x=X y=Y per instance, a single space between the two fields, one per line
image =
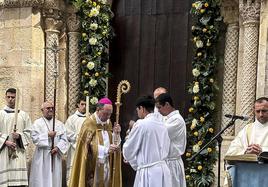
x=13 y=167
x=147 y=147
x=252 y=139
x=177 y=134
x=42 y=132
x=73 y=125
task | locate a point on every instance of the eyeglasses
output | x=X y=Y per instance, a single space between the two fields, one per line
x=49 y=108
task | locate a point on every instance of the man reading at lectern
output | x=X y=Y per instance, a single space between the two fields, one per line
x=94 y=162
x=252 y=139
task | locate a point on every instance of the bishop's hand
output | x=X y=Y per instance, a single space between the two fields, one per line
x=51 y=134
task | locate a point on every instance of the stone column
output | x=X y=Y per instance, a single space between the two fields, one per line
x=53 y=23
x=74 y=73
x=230 y=65
x=250 y=12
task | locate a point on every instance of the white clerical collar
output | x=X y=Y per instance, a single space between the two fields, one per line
x=173 y=113
x=99 y=121
x=9 y=109
x=149 y=115
x=261 y=124
x=79 y=114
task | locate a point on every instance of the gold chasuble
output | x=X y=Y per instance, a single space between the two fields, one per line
x=87 y=171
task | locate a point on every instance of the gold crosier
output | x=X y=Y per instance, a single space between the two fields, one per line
x=122 y=88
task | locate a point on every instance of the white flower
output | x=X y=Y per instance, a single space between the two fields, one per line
x=196 y=148
x=92 y=82
x=196 y=88
x=90 y=65
x=94 y=12
x=103 y=1
x=199 y=44
x=194 y=121
x=198 y=5
x=93 y=26
x=93 y=41
x=196 y=72
x=94 y=100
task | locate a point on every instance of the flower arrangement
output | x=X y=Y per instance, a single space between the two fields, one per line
x=201 y=123
x=96 y=32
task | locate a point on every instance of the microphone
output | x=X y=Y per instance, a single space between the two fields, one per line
x=244 y=118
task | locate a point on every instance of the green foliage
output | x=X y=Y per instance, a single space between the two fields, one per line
x=96 y=16
x=201 y=123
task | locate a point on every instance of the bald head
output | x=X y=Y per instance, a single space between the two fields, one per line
x=158 y=91
x=47 y=109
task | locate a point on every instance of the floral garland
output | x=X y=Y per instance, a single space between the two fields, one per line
x=201 y=122
x=97 y=32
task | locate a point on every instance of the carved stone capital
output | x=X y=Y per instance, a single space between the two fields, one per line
x=230 y=11
x=51 y=4
x=73 y=23
x=250 y=11
x=53 y=20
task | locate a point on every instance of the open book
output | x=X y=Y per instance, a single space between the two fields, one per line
x=261 y=158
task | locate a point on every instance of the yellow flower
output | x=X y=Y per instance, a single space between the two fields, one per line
x=200 y=142
x=204 y=30
x=84 y=61
x=208 y=44
x=86 y=74
x=196 y=98
x=191 y=109
x=96 y=74
x=199 y=167
x=195 y=39
x=211 y=80
x=196 y=133
x=85 y=92
x=192 y=126
x=202 y=11
x=196 y=83
x=206 y=5
x=211 y=130
x=199 y=54
x=209 y=150
x=84 y=34
x=99 y=53
x=188 y=154
x=187 y=177
x=193 y=5
x=94 y=3
x=202 y=119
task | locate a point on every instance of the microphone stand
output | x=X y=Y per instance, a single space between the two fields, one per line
x=219 y=140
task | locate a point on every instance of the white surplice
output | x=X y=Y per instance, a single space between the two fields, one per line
x=13 y=172
x=257 y=134
x=177 y=134
x=73 y=125
x=146 y=150
x=41 y=174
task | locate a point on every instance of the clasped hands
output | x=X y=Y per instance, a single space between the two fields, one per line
x=113 y=148
x=52 y=134
x=253 y=149
x=12 y=144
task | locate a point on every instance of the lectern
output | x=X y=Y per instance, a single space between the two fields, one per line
x=248 y=173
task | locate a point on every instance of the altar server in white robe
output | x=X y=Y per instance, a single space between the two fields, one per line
x=42 y=132
x=147 y=147
x=13 y=167
x=177 y=134
x=73 y=125
x=252 y=139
